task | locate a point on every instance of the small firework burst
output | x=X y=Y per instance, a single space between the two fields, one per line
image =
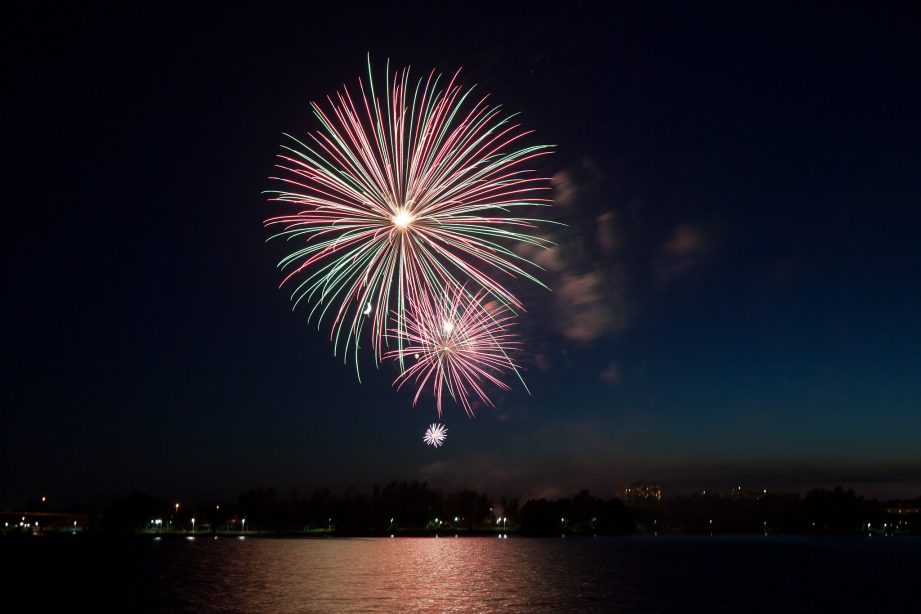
x=460 y=346
x=435 y=435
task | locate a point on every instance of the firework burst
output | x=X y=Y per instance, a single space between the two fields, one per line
x=396 y=196
x=435 y=435
x=458 y=344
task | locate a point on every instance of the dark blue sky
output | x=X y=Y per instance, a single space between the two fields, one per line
x=736 y=295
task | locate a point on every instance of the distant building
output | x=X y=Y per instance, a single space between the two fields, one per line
x=740 y=493
x=904 y=509
x=640 y=492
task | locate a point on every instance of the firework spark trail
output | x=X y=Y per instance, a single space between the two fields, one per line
x=402 y=196
x=459 y=344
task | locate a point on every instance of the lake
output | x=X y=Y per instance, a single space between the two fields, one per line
x=633 y=574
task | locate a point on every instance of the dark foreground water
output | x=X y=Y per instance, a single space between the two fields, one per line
x=640 y=574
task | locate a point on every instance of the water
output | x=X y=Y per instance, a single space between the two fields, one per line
x=639 y=574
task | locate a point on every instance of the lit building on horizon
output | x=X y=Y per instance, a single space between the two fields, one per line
x=639 y=491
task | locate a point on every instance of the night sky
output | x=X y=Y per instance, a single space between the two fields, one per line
x=736 y=295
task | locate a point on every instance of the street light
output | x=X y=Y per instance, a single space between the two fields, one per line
x=244 y=524
x=193 y=525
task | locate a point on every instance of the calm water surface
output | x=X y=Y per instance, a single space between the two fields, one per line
x=742 y=574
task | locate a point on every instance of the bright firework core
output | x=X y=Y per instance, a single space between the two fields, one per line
x=403 y=218
x=447 y=343
x=444 y=348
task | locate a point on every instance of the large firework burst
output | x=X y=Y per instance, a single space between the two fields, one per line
x=458 y=343
x=399 y=195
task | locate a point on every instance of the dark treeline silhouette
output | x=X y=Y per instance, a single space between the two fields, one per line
x=835 y=511
x=396 y=506
x=407 y=508
x=583 y=514
x=133 y=511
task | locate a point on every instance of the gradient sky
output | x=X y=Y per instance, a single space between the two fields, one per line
x=736 y=295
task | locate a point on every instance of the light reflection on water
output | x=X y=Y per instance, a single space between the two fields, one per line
x=544 y=575
x=639 y=574
x=411 y=574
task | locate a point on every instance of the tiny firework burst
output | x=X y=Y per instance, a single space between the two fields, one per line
x=435 y=435
x=458 y=343
x=404 y=191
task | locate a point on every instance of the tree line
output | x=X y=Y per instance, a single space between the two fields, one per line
x=404 y=507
